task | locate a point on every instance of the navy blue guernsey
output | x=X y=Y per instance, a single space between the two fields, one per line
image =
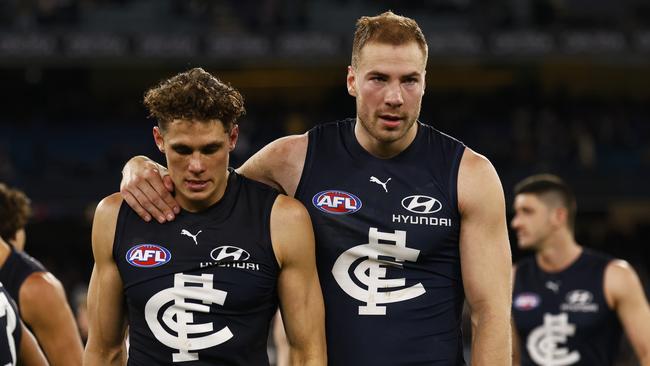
x=387 y=233
x=201 y=290
x=10 y=329
x=563 y=318
x=16 y=269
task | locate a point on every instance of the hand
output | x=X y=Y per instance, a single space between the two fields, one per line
x=146 y=187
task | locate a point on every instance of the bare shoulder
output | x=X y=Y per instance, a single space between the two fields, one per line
x=478 y=181
x=289 y=209
x=618 y=273
x=104 y=225
x=278 y=164
x=39 y=295
x=292 y=235
x=620 y=270
x=108 y=206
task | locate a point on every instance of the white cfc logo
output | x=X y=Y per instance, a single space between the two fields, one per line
x=179 y=317
x=372 y=271
x=544 y=342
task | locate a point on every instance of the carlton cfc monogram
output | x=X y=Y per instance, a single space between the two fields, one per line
x=372 y=272
x=179 y=317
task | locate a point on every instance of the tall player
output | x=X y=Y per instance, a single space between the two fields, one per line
x=408 y=221
x=203 y=290
x=569 y=301
x=39 y=295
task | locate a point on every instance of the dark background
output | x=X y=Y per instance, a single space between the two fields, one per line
x=560 y=86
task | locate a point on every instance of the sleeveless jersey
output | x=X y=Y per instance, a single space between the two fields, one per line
x=563 y=318
x=387 y=233
x=201 y=290
x=10 y=329
x=16 y=269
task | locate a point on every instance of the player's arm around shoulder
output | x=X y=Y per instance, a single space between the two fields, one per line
x=485 y=259
x=625 y=295
x=43 y=305
x=278 y=164
x=301 y=300
x=106 y=319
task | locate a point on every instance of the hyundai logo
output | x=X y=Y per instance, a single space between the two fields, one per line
x=227 y=251
x=582 y=297
x=421 y=204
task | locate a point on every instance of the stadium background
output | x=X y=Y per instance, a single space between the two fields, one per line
x=559 y=86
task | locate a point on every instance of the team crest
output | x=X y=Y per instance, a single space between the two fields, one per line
x=527 y=301
x=336 y=202
x=148 y=255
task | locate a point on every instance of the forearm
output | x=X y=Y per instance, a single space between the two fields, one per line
x=61 y=344
x=300 y=357
x=491 y=342
x=64 y=354
x=96 y=356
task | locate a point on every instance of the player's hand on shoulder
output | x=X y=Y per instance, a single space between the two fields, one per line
x=146 y=187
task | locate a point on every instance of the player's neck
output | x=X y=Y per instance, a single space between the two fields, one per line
x=198 y=206
x=558 y=252
x=383 y=149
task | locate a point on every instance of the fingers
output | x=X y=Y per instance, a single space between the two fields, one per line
x=135 y=204
x=169 y=186
x=149 y=196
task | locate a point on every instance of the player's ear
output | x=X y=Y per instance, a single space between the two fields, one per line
x=158 y=138
x=560 y=216
x=350 y=81
x=233 y=136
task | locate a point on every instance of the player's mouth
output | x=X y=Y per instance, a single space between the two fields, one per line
x=390 y=120
x=196 y=185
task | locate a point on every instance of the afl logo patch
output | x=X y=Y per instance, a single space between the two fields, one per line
x=148 y=255
x=336 y=202
x=527 y=301
x=421 y=204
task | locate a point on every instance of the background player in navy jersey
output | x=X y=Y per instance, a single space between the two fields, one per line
x=203 y=290
x=403 y=208
x=39 y=295
x=17 y=344
x=569 y=302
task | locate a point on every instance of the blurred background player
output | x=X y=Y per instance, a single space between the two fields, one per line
x=570 y=303
x=17 y=344
x=40 y=297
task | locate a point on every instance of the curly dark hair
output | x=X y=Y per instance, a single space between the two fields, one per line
x=194 y=95
x=15 y=210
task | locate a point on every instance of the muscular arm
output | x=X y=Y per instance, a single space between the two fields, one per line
x=625 y=295
x=301 y=300
x=485 y=259
x=106 y=318
x=30 y=354
x=44 y=307
x=278 y=164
